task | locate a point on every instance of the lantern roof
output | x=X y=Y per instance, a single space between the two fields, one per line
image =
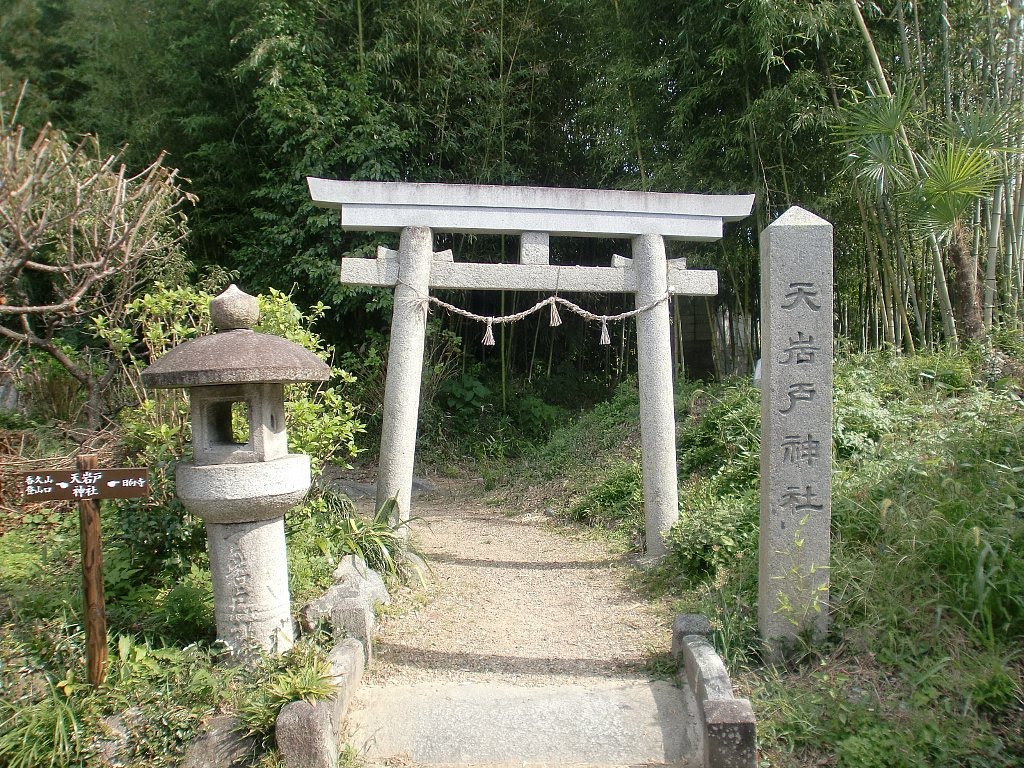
x=235 y=354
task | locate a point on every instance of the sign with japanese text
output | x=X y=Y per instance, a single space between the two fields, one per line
x=796 y=425
x=85 y=485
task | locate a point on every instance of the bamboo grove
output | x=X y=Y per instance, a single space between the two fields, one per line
x=900 y=122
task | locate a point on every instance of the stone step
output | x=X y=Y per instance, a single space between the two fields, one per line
x=599 y=724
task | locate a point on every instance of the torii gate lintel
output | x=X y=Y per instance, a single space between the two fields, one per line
x=537 y=275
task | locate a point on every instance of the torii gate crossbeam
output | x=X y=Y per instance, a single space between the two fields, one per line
x=534 y=213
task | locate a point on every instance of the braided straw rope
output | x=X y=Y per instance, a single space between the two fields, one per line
x=423 y=304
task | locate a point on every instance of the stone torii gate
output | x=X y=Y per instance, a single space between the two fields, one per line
x=533 y=213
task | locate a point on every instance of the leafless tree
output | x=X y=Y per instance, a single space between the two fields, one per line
x=79 y=236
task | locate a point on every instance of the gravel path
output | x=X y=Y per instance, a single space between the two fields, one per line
x=512 y=599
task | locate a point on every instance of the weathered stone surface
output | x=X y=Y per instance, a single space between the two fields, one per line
x=531 y=277
x=600 y=723
x=405 y=371
x=239 y=493
x=305 y=735
x=235 y=357
x=346 y=660
x=730 y=734
x=353 y=571
x=221 y=746
x=727 y=723
x=249 y=567
x=348 y=606
x=358 y=620
x=796 y=426
x=350 y=568
x=535 y=248
x=705 y=672
x=8 y=393
x=687 y=624
x=343 y=609
x=657 y=404
x=106 y=749
x=309 y=735
x=382 y=206
x=234 y=309
x=414 y=565
x=213 y=440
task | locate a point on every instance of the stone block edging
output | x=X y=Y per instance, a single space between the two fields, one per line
x=727 y=723
x=309 y=734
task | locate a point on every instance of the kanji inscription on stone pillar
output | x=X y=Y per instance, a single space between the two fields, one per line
x=796 y=426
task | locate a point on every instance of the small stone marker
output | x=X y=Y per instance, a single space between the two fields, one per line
x=61 y=485
x=796 y=427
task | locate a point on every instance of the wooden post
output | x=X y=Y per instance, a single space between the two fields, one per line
x=92 y=580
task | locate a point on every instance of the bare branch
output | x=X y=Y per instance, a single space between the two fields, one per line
x=79 y=234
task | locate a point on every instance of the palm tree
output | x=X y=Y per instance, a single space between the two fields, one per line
x=937 y=187
x=954 y=176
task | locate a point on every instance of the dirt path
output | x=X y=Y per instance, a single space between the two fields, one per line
x=512 y=599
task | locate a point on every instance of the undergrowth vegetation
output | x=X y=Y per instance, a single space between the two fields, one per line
x=167 y=675
x=923 y=664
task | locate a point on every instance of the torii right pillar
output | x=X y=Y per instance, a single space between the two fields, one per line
x=657 y=401
x=796 y=429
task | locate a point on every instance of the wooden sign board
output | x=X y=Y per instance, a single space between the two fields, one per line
x=86 y=485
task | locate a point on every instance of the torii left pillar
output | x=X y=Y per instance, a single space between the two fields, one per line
x=657 y=401
x=405 y=372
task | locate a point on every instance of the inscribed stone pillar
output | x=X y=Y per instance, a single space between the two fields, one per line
x=405 y=370
x=657 y=404
x=796 y=427
x=249 y=569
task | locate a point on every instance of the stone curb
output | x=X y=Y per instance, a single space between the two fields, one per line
x=309 y=734
x=728 y=726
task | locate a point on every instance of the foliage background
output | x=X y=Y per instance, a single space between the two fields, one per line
x=778 y=97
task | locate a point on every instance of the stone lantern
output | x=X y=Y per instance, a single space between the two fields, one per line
x=242 y=479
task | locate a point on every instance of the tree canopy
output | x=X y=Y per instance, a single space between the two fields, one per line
x=896 y=121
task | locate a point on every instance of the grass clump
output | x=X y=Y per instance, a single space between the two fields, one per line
x=301 y=674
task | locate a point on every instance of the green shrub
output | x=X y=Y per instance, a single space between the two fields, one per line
x=533 y=418
x=579 y=446
x=464 y=400
x=616 y=502
x=722 y=437
x=713 y=533
x=326 y=527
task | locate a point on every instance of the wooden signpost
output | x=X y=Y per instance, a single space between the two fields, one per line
x=87 y=485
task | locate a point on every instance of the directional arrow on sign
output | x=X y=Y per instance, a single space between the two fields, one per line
x=117 y=483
